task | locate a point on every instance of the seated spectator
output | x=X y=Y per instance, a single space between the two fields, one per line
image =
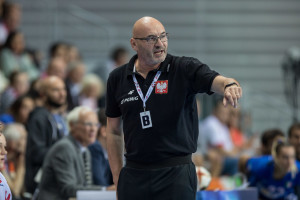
x=19 y=110
x=45 y=126
x=14 y=58
x=118 y=56
x=59 y=50
x=14 y=171
x=216 y=142
x=57 y=67
x=100 y=166
x=92 y=90
x=67 y=166
x=73 y=54
x=5 y=192
x=268 y=137
x=76 y=71
x=278 y=178
x=19 y=85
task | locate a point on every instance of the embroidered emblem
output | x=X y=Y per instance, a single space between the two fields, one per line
x=161 y=87
x=131 y=92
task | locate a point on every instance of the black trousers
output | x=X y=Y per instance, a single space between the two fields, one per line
x=167 y=183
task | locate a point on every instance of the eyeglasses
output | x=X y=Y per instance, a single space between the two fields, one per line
x=152 y=39
x=90 y=124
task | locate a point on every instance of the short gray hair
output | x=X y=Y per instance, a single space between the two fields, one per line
x=13 y=131
x=73 y=115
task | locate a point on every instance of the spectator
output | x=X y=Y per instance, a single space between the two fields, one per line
x=45 y=126
x=59 y=49
x=92 y=91
x=5 y=192
x=14 y=58
x=11 y=20
x=19 y=110
x=268 y=138
x=216 y=142
x=15 y=164
x=119 y=56
x=101 y=170
x=19 y=85
x=57 y=67
x=64 y=168
x=76 y=71
x=278 y=178
x=73 y=54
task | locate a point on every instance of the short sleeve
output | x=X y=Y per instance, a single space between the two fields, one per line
x=201 y=76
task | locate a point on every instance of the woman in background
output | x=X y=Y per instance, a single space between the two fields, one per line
x=279 y=178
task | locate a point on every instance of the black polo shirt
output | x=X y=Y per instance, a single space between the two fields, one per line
x=172 y=106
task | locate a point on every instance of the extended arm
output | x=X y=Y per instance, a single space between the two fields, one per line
x=231 y=94
x=115 y=146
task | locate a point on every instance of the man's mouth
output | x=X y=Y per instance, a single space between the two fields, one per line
x=159 y=52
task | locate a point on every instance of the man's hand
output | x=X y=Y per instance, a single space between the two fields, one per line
x=231 y=95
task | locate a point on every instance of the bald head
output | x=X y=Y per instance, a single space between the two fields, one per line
x=53 y=89
x=145 y=25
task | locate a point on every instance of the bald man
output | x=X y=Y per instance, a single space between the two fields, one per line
x=45 y=126
x=154 y=95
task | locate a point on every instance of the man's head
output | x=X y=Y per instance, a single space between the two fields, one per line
x=84 y=124
x=221 y=112
x=294 y=138
x=57 y=67
x=268 y=138
x=151 y=50
x=15 y=135
x=76 y=71
x=54 y=92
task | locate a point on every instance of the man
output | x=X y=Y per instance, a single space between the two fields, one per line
x=64 y=169
x=160 y=124
x=100 y=166
x=45 y=126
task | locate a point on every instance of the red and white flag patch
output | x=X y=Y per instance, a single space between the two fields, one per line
x=161 y=87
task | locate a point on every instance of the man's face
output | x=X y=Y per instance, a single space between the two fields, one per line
x=85 y=130
x=148 y=52
x=294 y=139
x=56 y=93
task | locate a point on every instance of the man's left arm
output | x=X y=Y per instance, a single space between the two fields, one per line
x=229 y=88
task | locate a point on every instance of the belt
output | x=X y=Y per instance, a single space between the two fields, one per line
x=169 y=162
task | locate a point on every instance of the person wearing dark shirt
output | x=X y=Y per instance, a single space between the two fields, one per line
x=154 y=95
x=101 y=170
x=45 y=126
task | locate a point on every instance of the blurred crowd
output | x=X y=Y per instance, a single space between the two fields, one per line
x=35 y=101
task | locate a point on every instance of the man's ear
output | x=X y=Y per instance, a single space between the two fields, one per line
x=133 y=44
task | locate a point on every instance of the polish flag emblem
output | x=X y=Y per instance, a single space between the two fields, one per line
x=161 y=87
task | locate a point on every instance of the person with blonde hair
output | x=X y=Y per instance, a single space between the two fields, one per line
x=279 y=178
x=92 y=90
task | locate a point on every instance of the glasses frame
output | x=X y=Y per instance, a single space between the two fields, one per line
x=148 y=38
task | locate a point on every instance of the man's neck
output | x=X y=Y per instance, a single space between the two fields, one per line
x=143 y=70
x=52 y=109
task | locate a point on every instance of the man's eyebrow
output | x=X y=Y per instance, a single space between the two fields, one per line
x=155 y=35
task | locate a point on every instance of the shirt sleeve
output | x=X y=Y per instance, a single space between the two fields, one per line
x=112 y=106
x=201 y=76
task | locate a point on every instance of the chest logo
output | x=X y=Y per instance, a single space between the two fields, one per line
x=161 y=87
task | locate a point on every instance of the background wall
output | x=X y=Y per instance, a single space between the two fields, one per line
x=238 y=38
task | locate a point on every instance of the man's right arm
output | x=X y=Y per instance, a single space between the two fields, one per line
x=115 y=146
